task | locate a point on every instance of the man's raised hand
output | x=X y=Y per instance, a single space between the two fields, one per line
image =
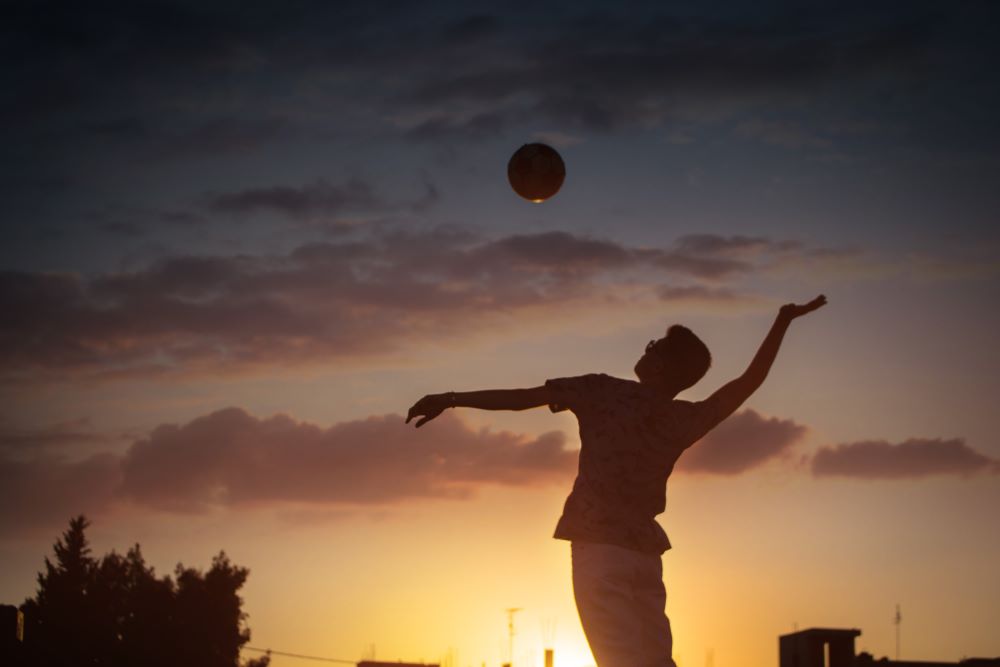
x=793 y=310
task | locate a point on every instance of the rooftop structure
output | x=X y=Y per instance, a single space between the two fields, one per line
x=833 y=647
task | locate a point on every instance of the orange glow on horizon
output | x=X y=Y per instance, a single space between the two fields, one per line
x=570 y=654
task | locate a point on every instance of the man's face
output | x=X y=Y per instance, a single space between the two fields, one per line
x=650 y=363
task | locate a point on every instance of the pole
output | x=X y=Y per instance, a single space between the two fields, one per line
x=510 y=630
x=898 y=619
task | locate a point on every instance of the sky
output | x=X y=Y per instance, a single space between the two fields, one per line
x=240 y=241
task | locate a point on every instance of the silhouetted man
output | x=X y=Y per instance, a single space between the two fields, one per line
x=631 y=434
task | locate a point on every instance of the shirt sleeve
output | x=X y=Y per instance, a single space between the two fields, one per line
x=574 y=393
x=703 y=416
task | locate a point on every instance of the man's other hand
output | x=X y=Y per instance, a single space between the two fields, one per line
x=793 y=310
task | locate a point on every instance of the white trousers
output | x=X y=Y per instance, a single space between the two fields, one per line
x=621 y=599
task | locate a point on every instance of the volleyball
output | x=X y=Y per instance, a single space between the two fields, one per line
x=536 y=172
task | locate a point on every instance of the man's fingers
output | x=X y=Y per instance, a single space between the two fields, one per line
x=427 y=407
x=818 y=302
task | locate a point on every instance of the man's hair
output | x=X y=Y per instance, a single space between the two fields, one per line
x=685 y=356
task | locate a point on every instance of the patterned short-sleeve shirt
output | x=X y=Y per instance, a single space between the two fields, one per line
x=630 y=439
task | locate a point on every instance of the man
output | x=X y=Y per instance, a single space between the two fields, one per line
x=631 y=434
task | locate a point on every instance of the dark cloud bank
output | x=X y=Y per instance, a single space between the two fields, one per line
x=355 y=298
x=590 y=66
x=90 y=87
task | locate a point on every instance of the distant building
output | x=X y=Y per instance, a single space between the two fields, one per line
x=868 y=660
x=831 y=647
x=817 y=647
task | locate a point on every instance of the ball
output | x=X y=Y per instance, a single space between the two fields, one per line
x=536 y=172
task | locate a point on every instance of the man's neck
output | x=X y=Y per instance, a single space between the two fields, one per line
x=664 y=390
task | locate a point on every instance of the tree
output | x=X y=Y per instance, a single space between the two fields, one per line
x=209 y=615
x=59 y=616
x=116 y=612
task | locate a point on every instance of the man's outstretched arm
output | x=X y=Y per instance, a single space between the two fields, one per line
x=430 y=406
x=732 y=395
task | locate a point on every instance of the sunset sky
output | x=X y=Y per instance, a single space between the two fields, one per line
x=239 y=242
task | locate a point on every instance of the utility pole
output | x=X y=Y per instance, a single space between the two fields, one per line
x=897 y=620
x=510 y=631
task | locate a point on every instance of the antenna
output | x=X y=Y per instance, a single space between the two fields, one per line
x=897 y=620
x=510 y=630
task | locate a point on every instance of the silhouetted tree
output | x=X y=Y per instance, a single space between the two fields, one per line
x=209 y=618
x=116 y=612
x=58 y=620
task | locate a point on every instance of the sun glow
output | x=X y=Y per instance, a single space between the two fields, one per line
x=572 y=654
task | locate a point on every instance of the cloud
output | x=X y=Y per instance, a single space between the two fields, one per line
x=360 y=297
x=56 y=436
x=575 y=68
x=702 y=294
x=606 y=70
x=558 y=251
x=319 y=198
x=732 y=246
x=443 y=126
x=913 y=458
x=231 y=459
x=319 y=203
x=744 y=441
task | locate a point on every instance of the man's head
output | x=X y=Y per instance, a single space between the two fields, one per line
x=674 y=362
